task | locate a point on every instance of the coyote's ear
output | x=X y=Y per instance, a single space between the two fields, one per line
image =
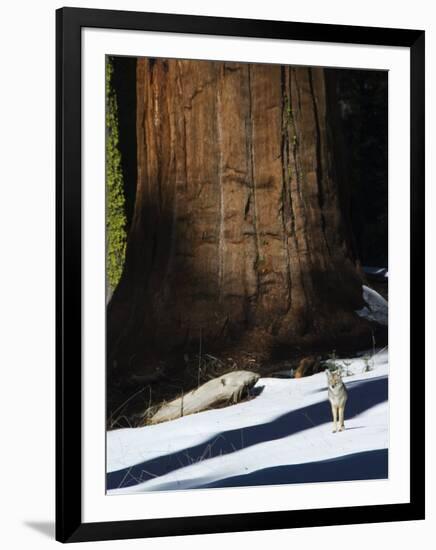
x=328 y=373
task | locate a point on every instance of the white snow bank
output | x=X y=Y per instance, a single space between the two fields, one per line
x=376 y=308
x=378 y=272
x=284 y=435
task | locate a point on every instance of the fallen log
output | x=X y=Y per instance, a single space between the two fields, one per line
x=224 y=390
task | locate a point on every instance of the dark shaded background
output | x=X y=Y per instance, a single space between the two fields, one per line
x=363 y=100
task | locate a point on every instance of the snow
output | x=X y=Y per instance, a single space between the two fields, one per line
x=376 y=308
x=378 y=272
x=284 y=435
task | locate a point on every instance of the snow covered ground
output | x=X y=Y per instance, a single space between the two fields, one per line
x=284 y=435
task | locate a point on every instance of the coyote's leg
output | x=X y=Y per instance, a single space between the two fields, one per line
x=335 y=417
x=341 y=418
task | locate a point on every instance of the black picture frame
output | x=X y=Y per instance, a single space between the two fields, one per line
x=69 y=525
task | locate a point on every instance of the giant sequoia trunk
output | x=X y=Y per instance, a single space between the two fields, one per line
x=238 y=237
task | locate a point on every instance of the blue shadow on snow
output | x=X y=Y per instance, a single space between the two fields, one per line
x=365 y=465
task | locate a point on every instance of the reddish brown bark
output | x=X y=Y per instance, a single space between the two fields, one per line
x=237 y=237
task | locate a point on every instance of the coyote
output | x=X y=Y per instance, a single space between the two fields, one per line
x=337 y=393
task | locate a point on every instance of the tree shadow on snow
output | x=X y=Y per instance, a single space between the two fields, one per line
x=361 y=396
x=365 y=465
x=353 y=467
x=351 y=383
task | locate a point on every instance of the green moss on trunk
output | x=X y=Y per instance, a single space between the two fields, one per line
x=116 y=235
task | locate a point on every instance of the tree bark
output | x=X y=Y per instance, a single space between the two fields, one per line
x=238 y=236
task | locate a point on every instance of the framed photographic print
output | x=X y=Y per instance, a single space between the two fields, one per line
x=240 y=274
